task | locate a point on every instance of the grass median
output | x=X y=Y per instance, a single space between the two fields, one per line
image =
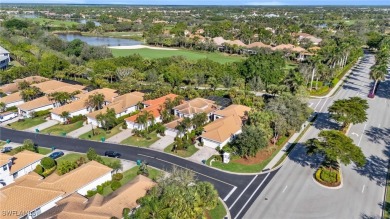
x=141 y=141
x=59 y=129
x=24 y=124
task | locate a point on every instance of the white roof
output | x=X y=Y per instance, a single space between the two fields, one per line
x=2 y=50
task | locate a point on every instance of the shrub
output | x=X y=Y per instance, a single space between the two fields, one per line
x=47 y=172
x=38 y=169
x=100 y=189
x=117 y=176
x=328 y=176
x=76 y=119
x=81 y=161
x=66 y=167
x=48 y=163
x=124 y=125
x=91 y=154
x=91 y=193
x=12 y=108
x=42 y=113
x=115 y=185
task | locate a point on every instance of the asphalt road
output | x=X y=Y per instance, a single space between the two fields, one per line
x=238 y=191
x=292 y=193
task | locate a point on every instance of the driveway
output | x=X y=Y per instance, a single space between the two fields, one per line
x=42 y=126
x=76 y=133
x=120 y=136
x=203 y=153
x=162 y=143
x=10 y=121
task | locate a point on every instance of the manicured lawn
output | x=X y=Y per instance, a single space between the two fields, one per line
x=141 y=142
x=72 y=157
x=129 y=175
x=100 y=133
x=218 y=212
x=182 y=153
x=125 y=35
x=27 y=123
x=60 y=128
x=52 y=22
x=41 y=150
x=190 y=55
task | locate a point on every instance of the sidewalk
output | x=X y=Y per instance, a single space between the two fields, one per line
x=5 y=123
x=76 y=133
x=43 y=126
x=341 y=81
x=162 y=143
x=118 y=138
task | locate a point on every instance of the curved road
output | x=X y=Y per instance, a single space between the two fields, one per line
x=238 y=191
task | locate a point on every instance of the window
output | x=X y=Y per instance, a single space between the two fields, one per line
x=15 y=175
x=5 y=167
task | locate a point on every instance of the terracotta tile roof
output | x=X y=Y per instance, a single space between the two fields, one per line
x=154 y=110
x=233 y=109
x=314 y=48
x=50 y=85
x=235 y=42
x=121 y=103
x=36 y=103
x=9 y=88
x=197 y=105
x=299 y=49
x=69 y=89
x=109 y=94
x=4 y=159
x=71 y=107
x=76 y=206
x=160 y=101
x=222 y=129
x=219 y=40
x=259 y=45
x=23 y=199
x=283 y=47
x=13 y=87
x=32 y=79
x=14 y=97
x=174 y=123
x=23 y=159
x=74 y=180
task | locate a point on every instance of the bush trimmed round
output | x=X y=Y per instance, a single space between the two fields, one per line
x=115 y=185
x=48 y=162
x=117 y=176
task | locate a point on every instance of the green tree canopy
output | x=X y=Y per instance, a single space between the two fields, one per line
x=347 y=111
x=336 y=147
x=250 y=141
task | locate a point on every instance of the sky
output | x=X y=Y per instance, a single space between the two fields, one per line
x=210 y=2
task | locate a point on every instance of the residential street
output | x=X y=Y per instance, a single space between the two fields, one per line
x=293 y=193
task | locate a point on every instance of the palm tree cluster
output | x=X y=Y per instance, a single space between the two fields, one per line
x=62 y=98
x=95 y=101
x=379 y=70
x=177 y=196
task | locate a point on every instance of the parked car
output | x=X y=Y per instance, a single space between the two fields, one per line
x=6 y=149
x=112 y=154
x=56 y=154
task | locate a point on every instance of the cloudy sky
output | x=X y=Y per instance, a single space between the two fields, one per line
x=210 y=2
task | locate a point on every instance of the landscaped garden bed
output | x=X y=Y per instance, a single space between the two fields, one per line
x=141 y=141
x=182 y=153
x=328 y=176
x=61 y=129
x=98 y=133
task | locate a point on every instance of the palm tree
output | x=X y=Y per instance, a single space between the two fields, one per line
x=2 y=107
x=378 y=73
x=95 y=101
x=31 y=93
x=315 y=61
x=65 y=115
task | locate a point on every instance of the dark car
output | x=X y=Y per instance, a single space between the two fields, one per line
x=112 y=154
x=6 y=149
x=56 y=154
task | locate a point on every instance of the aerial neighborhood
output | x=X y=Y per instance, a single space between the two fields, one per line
x=112 y=110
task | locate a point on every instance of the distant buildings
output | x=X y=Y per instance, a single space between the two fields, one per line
x=4 y=58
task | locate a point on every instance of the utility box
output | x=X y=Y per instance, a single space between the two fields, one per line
x=226 y=157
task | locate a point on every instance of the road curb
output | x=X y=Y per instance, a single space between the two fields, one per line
x=226 y=208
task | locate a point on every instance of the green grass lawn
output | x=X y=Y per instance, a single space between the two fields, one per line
x=129 y=175
x=190 y=55
x=27 y=123
x=60 y=128
x=141 y=142
x=52 y=22
x=242 y=168
x=218 y=212
x=41 y=150
x=100 y=133
x=182 y=153
x=72 y=157
x=124 y=35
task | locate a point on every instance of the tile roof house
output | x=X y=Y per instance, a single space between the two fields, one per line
x=40 y=195
x=28 y=108
x=11 y=100
x=79 y=106
x=122 y=105
x=99 y=206
x=195 y=106
x=20 y=164
x=314 y=40
x=154 y=107
x=258 y=45
x=7 y=116
x=14 y=87
x=4 y=58
x=226 y=125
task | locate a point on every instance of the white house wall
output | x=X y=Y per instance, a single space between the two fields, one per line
x=92 y=185
x=8 y=117
x=17 y=103
x=29 y=112
x=93 y=121
x=5 y=176
x=215 y=144
x=27 y=169
x=45 y=207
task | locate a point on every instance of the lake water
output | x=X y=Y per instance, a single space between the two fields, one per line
x=100 y=41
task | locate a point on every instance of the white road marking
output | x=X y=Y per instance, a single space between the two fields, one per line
x=364 y=129
x=364 y=186
x=324 y=103
x=230 y=193
x=310 y=104
x=243 y=192
x=189 y=169
x=251 y=196
x=379 y=125
x=284 y=189
x=353 y=133
x=317 y=104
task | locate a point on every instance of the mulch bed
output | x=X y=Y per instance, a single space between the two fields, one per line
x=261 y=156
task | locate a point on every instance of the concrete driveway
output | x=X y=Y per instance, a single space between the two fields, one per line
x=76 y=133
x=162 y=143
x=118 y=138
x=203 y=153
x=43 y=126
